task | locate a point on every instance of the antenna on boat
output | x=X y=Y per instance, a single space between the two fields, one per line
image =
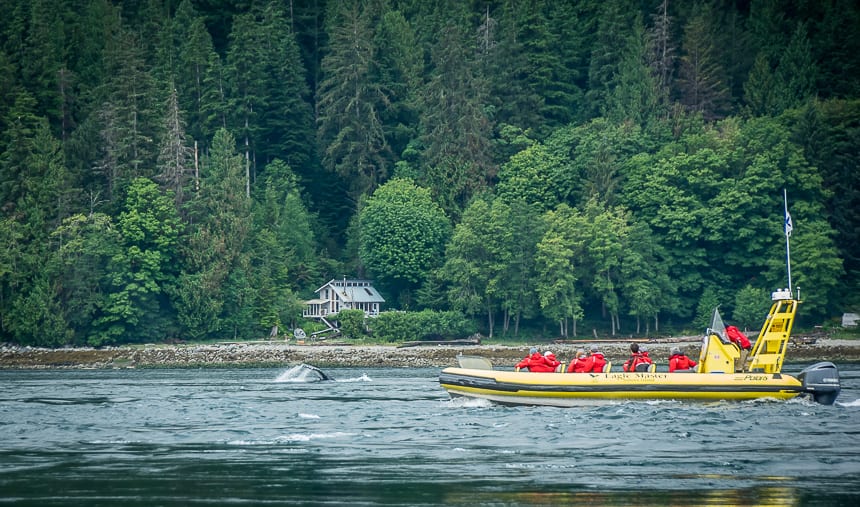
x=788 y=227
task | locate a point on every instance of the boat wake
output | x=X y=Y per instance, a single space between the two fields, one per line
x=362 y=378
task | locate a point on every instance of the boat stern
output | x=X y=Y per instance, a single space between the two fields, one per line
x=821 y=381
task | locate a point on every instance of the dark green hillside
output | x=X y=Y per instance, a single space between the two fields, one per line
x=195 y=169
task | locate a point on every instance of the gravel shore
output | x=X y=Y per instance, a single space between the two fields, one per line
x=327 y=356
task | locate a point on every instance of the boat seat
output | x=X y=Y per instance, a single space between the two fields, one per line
x=559 y=368
x=645 y=367
x=607 y=366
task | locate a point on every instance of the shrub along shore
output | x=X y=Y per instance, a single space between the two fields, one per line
x=256 y=354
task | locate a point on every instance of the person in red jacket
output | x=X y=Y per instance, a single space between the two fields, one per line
x=551 y=361
x=743 y=343
x=535 y=361
x=579 y=363
x=596 y=361
x=533 y=357
x=637 y=358
x=678 y=361
x=738 y=338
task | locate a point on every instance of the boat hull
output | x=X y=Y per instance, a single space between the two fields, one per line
x=571 y=389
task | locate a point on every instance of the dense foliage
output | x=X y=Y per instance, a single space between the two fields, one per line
x=194 y=169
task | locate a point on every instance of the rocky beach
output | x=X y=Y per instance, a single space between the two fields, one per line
x=256 y=354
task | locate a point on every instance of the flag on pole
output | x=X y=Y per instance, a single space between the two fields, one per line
x=788 y=225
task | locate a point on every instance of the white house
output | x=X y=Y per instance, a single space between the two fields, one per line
x=345 y=294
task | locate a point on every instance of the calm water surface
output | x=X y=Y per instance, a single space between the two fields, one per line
x=393 y=437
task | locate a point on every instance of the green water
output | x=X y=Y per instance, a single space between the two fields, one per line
x=392 y=437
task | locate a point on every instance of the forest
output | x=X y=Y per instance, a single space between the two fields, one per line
x=195 y=169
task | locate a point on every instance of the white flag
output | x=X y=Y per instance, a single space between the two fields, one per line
x=788 y=225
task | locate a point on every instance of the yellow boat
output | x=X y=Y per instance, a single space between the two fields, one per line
x=716 y=376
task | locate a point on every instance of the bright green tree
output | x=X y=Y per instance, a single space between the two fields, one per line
x=138 y=308
x=558 y=264
x=402 y=235
x=475 y=260
x=85 y=248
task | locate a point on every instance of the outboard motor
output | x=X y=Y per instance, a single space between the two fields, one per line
x=821 y=380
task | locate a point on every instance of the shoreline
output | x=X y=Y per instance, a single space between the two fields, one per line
x=271 y=354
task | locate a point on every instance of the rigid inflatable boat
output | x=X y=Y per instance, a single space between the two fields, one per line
x=722 y=373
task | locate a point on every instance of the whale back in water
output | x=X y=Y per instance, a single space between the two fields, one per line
x=303 y=373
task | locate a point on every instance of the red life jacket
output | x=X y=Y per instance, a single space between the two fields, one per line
x=680 y=362
x=529 y=360
x=551 y=362
x=637 y=359
x=579 y=365
x=596 y=362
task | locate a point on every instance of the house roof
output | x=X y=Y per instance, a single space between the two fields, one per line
x=360 y=294
x=354 y=290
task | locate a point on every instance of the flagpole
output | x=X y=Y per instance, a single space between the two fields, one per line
x=788 y=226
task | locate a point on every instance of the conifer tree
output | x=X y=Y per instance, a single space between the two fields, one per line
x=662 y=53
x=398 y=66
x=614 y=22
x=635 y=96
x=128 y=116
x=175 y=156
x=351 y=99
x=701 y=80
x=215 y=277
x=796 y=74
x=455 y=130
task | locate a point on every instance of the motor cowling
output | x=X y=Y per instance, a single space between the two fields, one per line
x=821 y=381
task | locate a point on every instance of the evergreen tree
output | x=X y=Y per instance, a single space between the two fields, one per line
x=398 y=64
x=635 y=97
x=701 y=80
x=216 y=273
x=268 y=94
x=455 y=130
x=828 y=132
x=760 y=88
x=350 y=101
x=797 y=73
x=127 y=117
x=614 y=22
x=43 y=56
x=287 y=124
x=661 y=52
x=199 y=92
x=175 y=156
